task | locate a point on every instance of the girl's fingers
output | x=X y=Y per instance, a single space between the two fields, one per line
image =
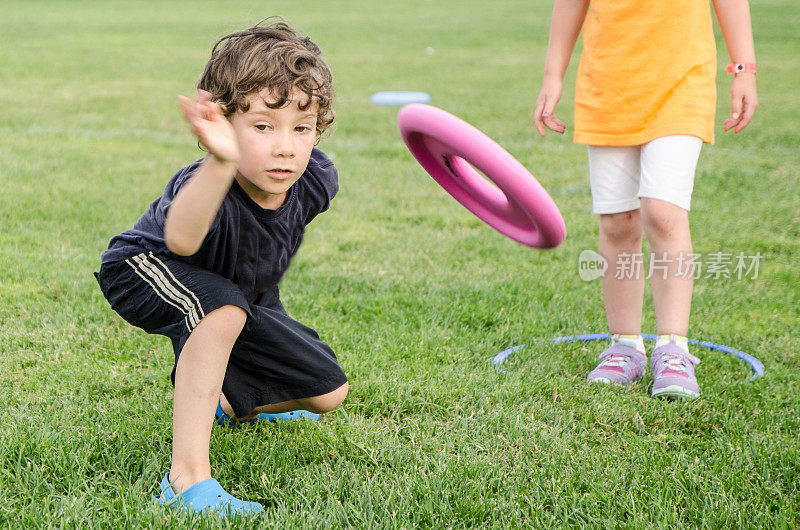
x=731 y=122
x=748 y=110
x=554 y=124
x=549 y=106
x=537 y=116
x=544 y=117
x=742 y=111
x=548 y=118
x=736 y=112
x=737 y=101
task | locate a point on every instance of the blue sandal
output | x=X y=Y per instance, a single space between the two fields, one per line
x=220 y=418
x=207 y=495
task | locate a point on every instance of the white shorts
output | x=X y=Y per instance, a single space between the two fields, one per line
x=661 y=169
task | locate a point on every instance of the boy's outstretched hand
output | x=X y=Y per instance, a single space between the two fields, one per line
x=543 y=115
x=210 y=126
x=743 y=103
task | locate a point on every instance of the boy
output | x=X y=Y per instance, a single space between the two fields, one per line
x=202 y=264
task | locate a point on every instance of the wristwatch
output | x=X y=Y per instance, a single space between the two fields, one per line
x=738 y=68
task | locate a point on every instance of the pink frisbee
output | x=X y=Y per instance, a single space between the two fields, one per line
x=448 y=148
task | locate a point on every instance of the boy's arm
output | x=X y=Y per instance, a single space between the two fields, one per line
x=565 y=26
x=734 y=21
x=191 y=213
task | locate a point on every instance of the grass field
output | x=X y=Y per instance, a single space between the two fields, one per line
x=413 y=292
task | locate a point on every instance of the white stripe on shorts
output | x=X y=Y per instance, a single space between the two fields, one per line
x=197 y=305
x=167 y=290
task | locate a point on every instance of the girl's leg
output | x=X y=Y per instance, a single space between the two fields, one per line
x=614 y=173
x=667 y=229
x=668 y=168
x=621 y=242
x=198 y=382
x=621 y=239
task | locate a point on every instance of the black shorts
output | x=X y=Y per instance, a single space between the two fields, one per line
x=274 y=359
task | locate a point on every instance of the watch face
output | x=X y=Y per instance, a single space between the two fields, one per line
x=739 y=68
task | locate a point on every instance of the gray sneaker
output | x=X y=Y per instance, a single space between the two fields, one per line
x=673 y=373
x=619 y=364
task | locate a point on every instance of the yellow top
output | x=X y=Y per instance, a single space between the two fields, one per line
x=647 y=70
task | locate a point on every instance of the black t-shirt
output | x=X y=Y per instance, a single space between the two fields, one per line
x=246 y=243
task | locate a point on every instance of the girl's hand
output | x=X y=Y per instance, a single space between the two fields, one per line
x=744 y=101
x=210 y=126
x=548 y=97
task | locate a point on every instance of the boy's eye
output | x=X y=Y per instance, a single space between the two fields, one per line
x=302 y=128
x=261 y=127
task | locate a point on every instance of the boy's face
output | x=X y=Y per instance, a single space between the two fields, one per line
x=274 y=146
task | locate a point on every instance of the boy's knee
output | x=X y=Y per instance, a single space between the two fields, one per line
x=621 y=228
x=328 y=402
x=226 y=319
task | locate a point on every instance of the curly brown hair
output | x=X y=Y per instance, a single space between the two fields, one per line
x=271 y=56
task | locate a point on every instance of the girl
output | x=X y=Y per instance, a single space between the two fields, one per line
x=644 y=104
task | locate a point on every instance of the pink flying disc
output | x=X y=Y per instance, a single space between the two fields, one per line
x=448 y=148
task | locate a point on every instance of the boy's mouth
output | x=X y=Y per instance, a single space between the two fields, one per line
x=279 y=173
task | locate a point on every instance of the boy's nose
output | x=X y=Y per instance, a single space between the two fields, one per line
x=284 y=146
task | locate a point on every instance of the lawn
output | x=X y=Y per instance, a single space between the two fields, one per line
x=413 y=293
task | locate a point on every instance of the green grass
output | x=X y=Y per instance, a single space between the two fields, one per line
x=413 y=292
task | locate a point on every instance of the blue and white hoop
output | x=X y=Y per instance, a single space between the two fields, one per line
x=755 y=364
